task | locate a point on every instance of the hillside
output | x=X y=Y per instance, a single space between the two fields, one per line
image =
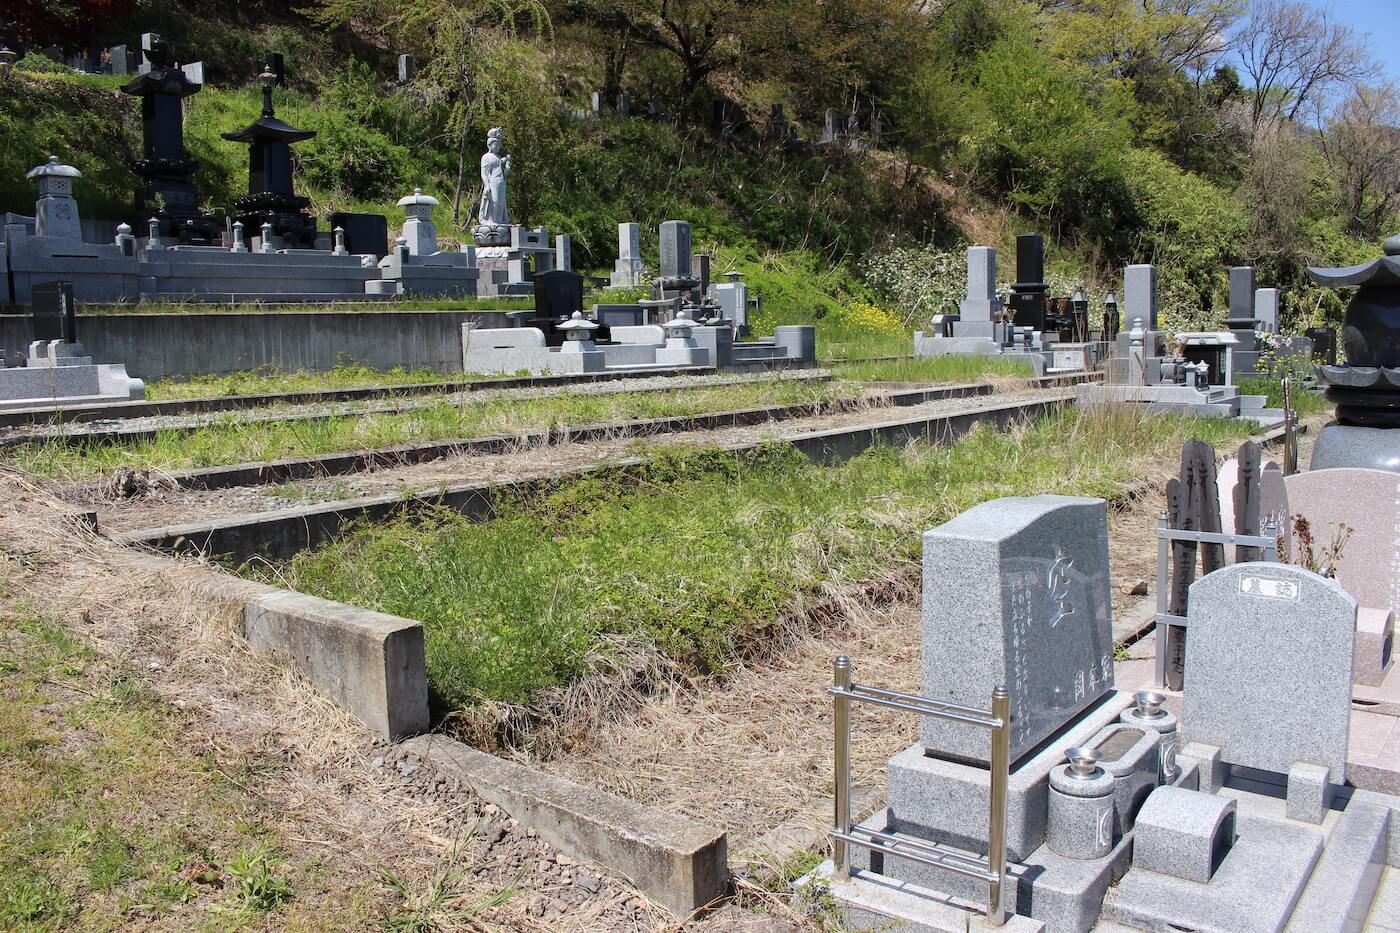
x=1112 y=133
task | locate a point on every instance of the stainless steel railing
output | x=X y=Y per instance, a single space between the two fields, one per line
x=992 y=868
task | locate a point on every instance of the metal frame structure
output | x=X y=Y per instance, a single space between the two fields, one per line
x=1267 y=542
x=991 y=869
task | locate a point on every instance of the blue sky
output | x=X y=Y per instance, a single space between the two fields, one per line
x=1380 y=19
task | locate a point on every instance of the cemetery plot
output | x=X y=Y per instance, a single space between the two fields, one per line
x=698 y=563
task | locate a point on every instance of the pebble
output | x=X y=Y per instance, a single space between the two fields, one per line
x=1137 y=587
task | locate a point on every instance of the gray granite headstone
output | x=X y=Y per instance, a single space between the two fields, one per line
x=1016 y=591
x=1266 y=309
x=1268 y=667
x=981 y=301
x=1241 y=293
x=1368 y=502
x=1140 y=294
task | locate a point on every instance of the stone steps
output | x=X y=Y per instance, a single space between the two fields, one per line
x=1343 y=884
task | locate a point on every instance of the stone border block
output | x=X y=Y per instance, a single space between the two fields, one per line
x=676 y=862
x=371 y=663
x=1309 y=793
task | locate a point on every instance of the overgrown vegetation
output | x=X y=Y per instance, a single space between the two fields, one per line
x=1124 y=131
x=700 y=553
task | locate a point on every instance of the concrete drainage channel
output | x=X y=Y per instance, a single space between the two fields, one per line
x=374 y=664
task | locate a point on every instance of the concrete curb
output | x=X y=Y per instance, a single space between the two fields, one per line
x=335 y=464
x=280 y=534
x=678 y=863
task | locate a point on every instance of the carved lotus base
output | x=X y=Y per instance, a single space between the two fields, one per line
x=491 y=234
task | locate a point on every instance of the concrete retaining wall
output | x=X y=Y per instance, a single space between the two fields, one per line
x=160 y=346
x=674 y=861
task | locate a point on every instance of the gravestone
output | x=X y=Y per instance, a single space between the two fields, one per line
x=1263 y=638
x=981 y=304
x=1242 y=293
x=676 y=256
x=558 y=294
x=55 y=314
x=829 y=132
x=629 y=270
x=1140 y=294
x=408 y=67
x=365 y=234
x=1016 y=592
x=1368 y=502
x=1028 y=291
x=1266 y=310
x=1324 y=344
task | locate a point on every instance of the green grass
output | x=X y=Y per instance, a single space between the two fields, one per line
x=267 y=381
x=1304 y=401
x=702 y=553
x=231 y=440
x=113 y=815
x=932 y=369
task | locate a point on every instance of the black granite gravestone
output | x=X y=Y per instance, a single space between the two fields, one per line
x=558 y=294
x=364 y=233
x=1324 y=344
x=270 y=198
x=1028 y=291
x=55 y=314
x=167 y=192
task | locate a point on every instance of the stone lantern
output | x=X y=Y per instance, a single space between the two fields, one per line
x=1366 y=390
x=418 y=227
x=56 y=213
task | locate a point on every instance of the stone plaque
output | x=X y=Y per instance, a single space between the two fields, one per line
x=1367 y=501
x=1269 y=665
x=1016 y=591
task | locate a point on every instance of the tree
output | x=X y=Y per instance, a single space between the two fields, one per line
x=464 y=43
x=68 y=23
x=1296 y=56
x=1362 y=149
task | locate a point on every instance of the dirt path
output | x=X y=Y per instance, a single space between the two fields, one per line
x=160 y=507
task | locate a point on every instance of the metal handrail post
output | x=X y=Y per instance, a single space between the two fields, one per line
x=996 y=826
x=840 y=850
x=1290 y=428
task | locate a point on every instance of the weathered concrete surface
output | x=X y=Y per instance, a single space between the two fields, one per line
x=158 y=346
x=674 y=861
x=369 y=662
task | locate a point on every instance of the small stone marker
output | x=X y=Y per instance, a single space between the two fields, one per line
x=1016 y=591
x=1270 y=665
x=1368 y=502
x=981 y=302
x=1266 y=309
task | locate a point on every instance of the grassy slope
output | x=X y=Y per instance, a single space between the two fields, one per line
x=108 y=819
x=703 y=554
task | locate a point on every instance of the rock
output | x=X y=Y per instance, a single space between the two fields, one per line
x=377 y=763
x=1135 y=587
x=588 y=883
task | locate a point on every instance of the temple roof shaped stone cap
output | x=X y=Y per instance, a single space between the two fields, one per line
x=1383 y=271
x=418 y=197
x=577 y=322
x=53 y=169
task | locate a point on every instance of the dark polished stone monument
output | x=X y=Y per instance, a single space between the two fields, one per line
x=1366 y=390
x=270 y=198
x=167 y=192
x=55 y=312
x=365 y=234
x=1028 y=291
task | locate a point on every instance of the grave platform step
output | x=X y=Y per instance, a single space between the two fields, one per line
x=1254 y=890
x=868 y=901
x=1344 y=883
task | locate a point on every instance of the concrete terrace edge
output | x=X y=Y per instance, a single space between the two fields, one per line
x=335 y=464
x=681 y=864
x=372 y=664
x=283 y=533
